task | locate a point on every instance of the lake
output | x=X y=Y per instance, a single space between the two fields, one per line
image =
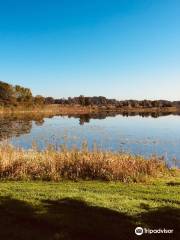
x=134 y=134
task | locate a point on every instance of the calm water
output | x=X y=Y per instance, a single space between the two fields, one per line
x=135 y=134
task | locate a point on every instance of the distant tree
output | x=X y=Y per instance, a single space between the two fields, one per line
x=82 y=100
x=23 y=95
x=14 y=95
x=49 y=100
x=155 y=103
x=7 y=93
x=39 y=100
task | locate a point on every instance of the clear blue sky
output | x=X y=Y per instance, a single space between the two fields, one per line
x=123 y=49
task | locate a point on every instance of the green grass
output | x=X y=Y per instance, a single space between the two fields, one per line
x=88 y=210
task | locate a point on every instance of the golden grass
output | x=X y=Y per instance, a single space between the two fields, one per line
x=49 y=108
x=50 y=164
x=77 y=109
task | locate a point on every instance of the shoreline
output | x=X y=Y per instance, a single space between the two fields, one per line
x=74 y=164
x=79 y=110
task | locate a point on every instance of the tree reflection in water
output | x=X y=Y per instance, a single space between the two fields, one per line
x=14 y=125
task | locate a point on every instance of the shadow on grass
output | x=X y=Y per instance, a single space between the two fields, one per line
x=72 y=219
x=173 y=184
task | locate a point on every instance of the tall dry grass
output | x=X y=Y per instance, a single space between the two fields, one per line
x=51 y=164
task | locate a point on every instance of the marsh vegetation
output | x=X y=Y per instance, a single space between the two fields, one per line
x=50 y=164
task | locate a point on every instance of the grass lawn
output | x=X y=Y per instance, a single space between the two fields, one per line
x=88 y=210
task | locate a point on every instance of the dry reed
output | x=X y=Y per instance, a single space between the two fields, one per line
x=51 y=164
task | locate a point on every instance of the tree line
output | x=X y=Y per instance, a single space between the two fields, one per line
x=18 y=95
x=103 y=101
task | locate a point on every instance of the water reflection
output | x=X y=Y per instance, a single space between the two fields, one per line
x=148 y=134
x=10 y=127
x=85 y=118
x=14 y=125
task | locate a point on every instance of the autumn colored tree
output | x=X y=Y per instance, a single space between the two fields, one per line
x=7 y=95
x=39 y=100
x=23 y=94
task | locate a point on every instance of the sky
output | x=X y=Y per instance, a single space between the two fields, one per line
x=124 y=49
